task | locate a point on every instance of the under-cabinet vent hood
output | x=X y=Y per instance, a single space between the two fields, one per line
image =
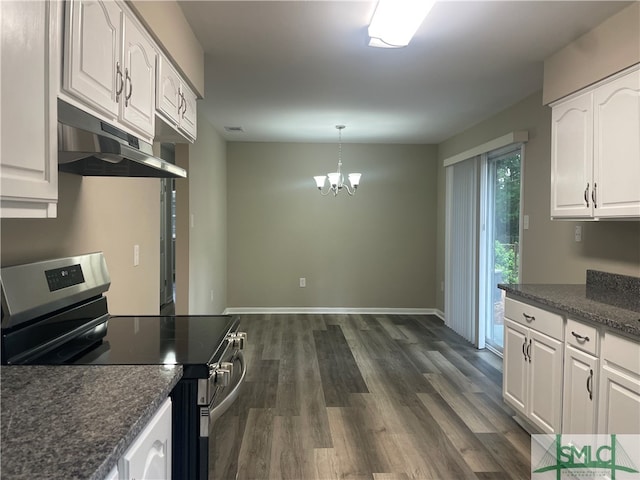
x=88 y=146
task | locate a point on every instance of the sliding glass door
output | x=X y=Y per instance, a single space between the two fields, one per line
x=500 y=239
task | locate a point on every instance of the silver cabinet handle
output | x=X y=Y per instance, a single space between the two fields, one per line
x=524 y=349
x=594 y=195
x=183 y=105
x=119 y=77
x=579 y=337
x=127 y=95
x=590 y=384
x=528 y=318
x=586 y=194
x=529 y=351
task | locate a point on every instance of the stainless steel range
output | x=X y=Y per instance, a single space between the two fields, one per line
x=55 y=313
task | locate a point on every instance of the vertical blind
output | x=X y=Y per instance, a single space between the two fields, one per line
x=461 y=240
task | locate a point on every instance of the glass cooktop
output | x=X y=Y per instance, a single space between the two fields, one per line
x=192 y=341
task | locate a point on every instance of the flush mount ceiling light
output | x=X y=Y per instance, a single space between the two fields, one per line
x=395 y=22
x=336 y=179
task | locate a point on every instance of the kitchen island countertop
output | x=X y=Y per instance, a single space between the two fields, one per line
x=75 y=422
x=615 y=310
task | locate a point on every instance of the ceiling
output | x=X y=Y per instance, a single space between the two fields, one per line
x=289 y=71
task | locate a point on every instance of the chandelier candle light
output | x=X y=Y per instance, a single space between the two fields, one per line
x=336 y=179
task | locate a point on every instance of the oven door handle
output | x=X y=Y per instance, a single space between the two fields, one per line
x=219 y=410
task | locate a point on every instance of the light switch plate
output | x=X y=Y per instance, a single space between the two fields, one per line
x=136 y=255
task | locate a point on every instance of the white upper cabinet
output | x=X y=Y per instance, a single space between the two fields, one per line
x=572 y=157
x=595 y=151
x=93 y=71
x=109 y=64
x=139 y=85
x=176 y=103
x=29 y=147
x=616 y=138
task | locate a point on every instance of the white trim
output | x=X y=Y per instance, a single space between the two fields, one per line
x=508 y=139
x=333 y=310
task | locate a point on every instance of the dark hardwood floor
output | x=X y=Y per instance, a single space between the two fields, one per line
x=382 y=397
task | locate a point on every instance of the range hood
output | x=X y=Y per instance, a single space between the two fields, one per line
x=88 y=146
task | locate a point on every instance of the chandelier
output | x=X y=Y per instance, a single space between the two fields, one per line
x=336 y=179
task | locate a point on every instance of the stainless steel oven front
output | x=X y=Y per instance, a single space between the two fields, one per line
x=220 y=436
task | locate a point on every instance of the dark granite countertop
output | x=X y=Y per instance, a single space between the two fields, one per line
x=615 y=308
x=75 y=422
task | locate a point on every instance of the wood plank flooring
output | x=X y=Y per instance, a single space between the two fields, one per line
x=377 y=397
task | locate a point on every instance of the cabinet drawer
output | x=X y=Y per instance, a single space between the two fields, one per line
x=536 y=318
x=581 y=336
x=622 y=352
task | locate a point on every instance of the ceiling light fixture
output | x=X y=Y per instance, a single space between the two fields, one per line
x=395 y=22
x=336 y=179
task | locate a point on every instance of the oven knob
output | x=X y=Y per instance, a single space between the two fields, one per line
x=223 y=374
x=238 y=340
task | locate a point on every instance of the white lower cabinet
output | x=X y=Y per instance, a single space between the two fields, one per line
x=581 y=363
x=532 y=382
x=585 y=381
x=112 y=475
x=579 y=396
x=149 y=457
x=515 y=381
x=545 y=371
x=619 y=402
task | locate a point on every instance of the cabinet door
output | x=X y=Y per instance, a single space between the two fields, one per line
x=514 y=385
x=150 y=455
x=140 y=86
x=28 y=117
x=572 y=157
x=545 y=382
x=617 y=147
x=619 y=402
x=579 y=393
x=93 y=51
x=168 y=100
x=188 y=117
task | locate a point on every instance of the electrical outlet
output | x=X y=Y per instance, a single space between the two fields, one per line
x=525 y=222
x=303 y=282
x=578 y=233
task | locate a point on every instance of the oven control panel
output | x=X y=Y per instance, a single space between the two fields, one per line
x=63 y=277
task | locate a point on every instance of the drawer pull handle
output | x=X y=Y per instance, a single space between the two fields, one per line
x=528 y=318
x=589 y=384
x=579 y=337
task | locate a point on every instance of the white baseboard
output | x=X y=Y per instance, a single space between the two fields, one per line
x=333 y=310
